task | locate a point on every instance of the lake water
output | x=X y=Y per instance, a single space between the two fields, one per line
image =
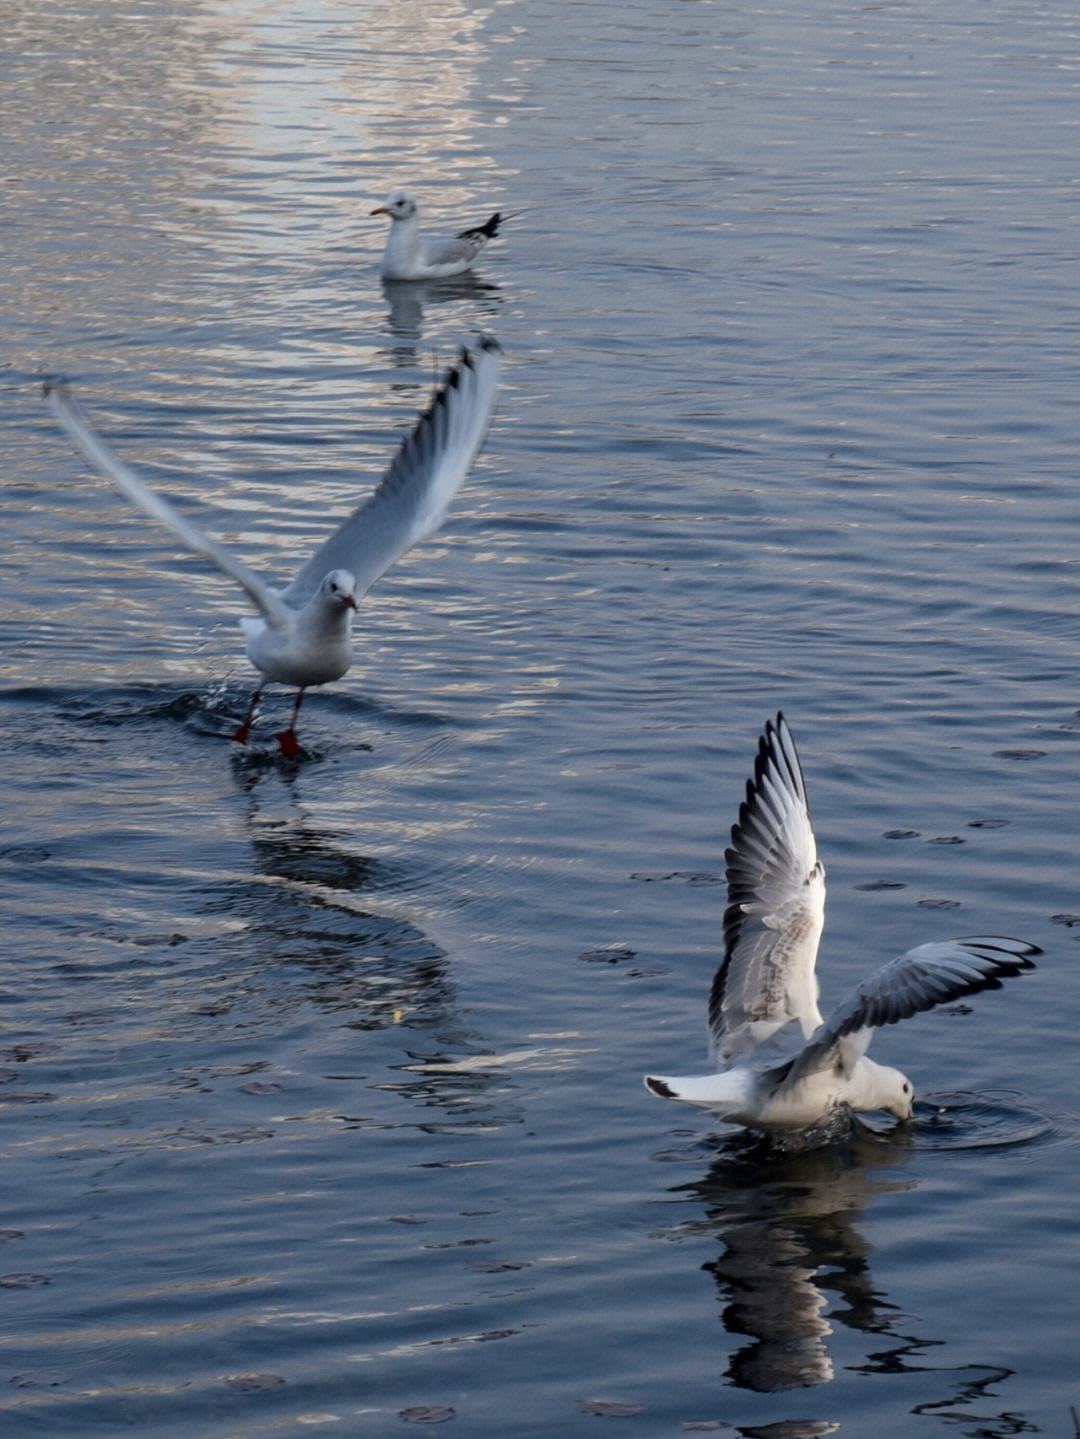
x=322 y=1101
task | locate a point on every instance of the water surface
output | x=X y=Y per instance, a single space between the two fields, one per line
x=321 y=1082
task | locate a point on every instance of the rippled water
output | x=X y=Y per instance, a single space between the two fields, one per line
x=321 y=1081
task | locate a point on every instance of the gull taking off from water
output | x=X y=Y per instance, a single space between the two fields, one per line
x=303 y=635
x=408 y=256
x=779 y=1065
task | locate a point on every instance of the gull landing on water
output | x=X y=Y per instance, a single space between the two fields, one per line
x=408 y=256
x=779 y=1065
x=303 y=636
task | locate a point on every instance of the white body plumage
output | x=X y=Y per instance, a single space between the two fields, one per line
x=411 y=256
x=302 y=635
x=780 y=1066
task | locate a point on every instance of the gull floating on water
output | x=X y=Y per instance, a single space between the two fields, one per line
x=408 y=256
x=303 y=637
x=779 y=1065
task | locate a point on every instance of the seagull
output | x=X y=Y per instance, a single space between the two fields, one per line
x=302 y=634
x=410 y=257
x=780 y=1066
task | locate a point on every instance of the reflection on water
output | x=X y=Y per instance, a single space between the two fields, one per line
x=788 y=1223
x=980 y=1389
x=407 y=299
x=795 y=1264
x=790 y=1429
x=318 y=906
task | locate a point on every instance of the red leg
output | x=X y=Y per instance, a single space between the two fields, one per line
x=240 y=735
x=290 y=745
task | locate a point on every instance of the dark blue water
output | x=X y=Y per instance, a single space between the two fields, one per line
x=321 y=1083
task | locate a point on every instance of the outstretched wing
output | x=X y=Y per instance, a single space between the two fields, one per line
x=924 y=977
x=776 y=908
x=416 y=490
x=94 y=449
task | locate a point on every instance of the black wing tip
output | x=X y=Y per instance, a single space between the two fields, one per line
x=659 y=1088
x=776 y=751
x=440 y=400
x=776 y=746
x=775 y=730
x=489 y=229
x=1009 y=956
x=466 y=360
x=54 y=385
x=778 y=743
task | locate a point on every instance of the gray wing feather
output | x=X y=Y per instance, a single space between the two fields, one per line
x=465 y=246
x=94 y=449
x=462 y=248
x=416 y=490
x=776 y=906
x=919 y=980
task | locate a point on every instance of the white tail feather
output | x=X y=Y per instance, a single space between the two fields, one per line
x=718 y=1092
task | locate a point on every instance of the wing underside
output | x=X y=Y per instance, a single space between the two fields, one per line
x=426 y=473
x=94 y=449
x=776 y=906
x=919 y=980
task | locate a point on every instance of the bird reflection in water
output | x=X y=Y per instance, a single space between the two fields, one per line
x=407 y=299
x=314 y=902
x=788 y=1221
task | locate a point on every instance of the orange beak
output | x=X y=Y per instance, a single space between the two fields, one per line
x=379 y=210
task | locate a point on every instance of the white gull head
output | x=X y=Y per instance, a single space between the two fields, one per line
x=399 y=206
